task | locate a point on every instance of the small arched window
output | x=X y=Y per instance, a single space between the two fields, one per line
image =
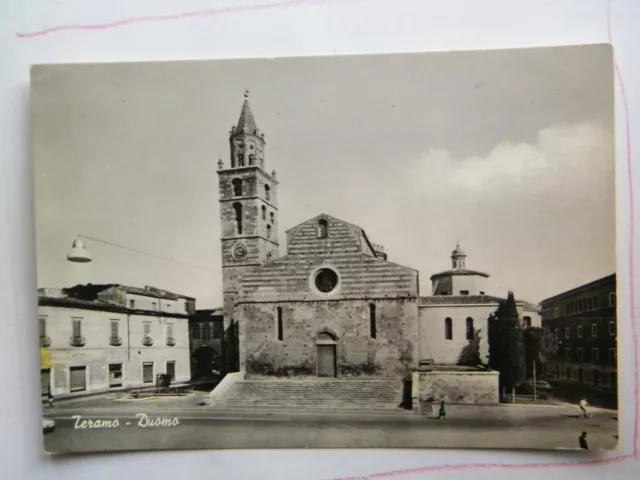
x=264 y=212
x=241 y=159
x=372 y=321
x=273 y=217
x=323 y=228
x=238 y=209
x=267 y=192
x=251 y=158
x=448 y=329
x=470 y=332
x=269 y=256
x=268 y=231
x=237 y=187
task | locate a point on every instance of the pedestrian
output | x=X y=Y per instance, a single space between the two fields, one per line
x=442 y=414
x=582 y=440
x=583 y=407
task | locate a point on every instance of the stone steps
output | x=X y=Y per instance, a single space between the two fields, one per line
x=309 y=394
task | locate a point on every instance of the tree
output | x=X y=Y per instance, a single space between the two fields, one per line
x=540 y=345
x=470 y=354
x=506 y=343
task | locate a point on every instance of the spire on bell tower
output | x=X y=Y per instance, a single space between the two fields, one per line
x=246 y=140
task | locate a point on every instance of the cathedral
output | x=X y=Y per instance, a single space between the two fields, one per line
x=334 y=305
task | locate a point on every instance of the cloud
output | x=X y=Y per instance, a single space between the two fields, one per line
x=562 y=155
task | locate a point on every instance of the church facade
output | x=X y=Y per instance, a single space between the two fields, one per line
x=334 y=305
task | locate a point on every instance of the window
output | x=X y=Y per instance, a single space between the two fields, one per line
x=132 y=304
x=595 y=355
x=594 y=330
x=42 y=326
x=195 y=332
x=557 y=312
x=448 y=329
x=612 y=328
x=567 y=354
x=326 y=280
x=268 y=256
x=372 y=320
x=567 y=330
x=77 y=340
x=268 y=231
x=241 y=159
x=115 y=339
x=170 y=340
x=237 y=207
x=147 y=372
x=323 y=228
x=579 y=354
x=267 y=192
x=279 y=329
x=612 y=299
x=470 y=328
x=612 y=356
x=251 y=158
x=579 y=330
x=206 y=332
x=264 y=212
x=273 y=217
x=527 y=322
x=146 y=339
x=568 y=373
x=464 y=292
x=556 y=333
x=115 y=375
x=154 y=306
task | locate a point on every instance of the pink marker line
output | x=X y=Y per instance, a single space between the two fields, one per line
x=174 y=16
x=471 y=466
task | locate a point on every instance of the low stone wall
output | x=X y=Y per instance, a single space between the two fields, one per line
x=223 y=387
x=469 y=387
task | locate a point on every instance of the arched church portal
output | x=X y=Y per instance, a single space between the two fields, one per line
x=326 y=343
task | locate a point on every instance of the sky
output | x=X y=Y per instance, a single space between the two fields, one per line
x=508 y=152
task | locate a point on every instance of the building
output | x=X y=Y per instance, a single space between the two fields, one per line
x=206 y=343
x=458 y=310
x=585 y=323
x=334 y=305
x=107 y=337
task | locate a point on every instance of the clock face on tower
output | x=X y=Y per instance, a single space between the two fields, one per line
x=239 y=251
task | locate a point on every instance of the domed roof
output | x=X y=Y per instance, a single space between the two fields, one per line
x=458 y=250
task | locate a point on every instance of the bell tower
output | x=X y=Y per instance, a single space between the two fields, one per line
x=248 y=208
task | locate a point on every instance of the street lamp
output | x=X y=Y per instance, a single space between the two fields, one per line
x=78 y=252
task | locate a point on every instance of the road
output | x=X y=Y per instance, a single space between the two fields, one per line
x=516 y=427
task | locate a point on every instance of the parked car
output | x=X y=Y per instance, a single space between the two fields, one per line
x=48 y=425
x=540 y=384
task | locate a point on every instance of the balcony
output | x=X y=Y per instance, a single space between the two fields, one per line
x=45 y=341
x=115 y=341
x=77 y=341
x=171 y=341
x=147 y=341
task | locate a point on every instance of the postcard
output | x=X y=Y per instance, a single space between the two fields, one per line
x=376 y=251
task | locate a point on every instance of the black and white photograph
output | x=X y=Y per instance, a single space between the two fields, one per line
x=411 y=250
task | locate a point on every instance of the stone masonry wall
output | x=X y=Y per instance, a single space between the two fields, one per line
x=464 y=387
x=391 y=353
